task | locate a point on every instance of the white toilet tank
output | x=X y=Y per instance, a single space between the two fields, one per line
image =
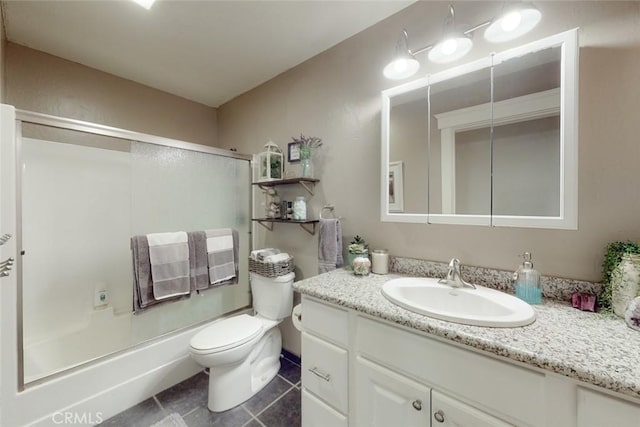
x=272 y=297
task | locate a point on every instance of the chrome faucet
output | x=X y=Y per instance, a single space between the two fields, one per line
x=454 y=278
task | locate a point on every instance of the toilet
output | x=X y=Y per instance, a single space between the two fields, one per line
x=243 y=352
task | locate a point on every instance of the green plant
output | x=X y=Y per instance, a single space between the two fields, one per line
x=307 y=145
x=358 y=246
x=612 y=256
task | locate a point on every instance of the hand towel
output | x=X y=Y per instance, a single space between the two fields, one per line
x=222 y=250
x=198 y=260
x=329 y=245
x=169 y=256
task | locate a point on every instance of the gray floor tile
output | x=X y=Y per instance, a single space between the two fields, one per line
x=285 y=412
x=202 y=417
x=289 y=370
x=143 y=414
x=187 y=395
x=268 y=394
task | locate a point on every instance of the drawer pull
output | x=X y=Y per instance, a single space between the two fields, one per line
x=417 y=405
x=317 y=373
x=439 y=416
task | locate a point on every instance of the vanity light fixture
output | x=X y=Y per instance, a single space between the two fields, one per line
x=454 y=43
x=145 y=3
x=514 y=21
x=404 y=64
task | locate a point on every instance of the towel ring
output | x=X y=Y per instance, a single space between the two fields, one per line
x=331 y=209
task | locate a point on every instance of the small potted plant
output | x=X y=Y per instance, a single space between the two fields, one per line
x=357 y=248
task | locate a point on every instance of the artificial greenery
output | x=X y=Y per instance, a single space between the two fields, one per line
x=612 y=257
x=358 y=246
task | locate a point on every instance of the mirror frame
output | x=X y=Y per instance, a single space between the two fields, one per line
x=568 y=217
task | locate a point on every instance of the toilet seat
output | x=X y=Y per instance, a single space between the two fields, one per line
x=227 y=334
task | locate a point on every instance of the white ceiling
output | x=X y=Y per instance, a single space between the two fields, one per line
x=206 y=51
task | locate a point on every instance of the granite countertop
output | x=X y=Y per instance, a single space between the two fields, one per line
x=595 y=348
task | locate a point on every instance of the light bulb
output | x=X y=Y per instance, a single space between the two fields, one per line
x=449 y=46
x=511 y=21
x=400 y=65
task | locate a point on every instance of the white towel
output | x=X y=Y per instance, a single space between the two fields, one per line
x=220 y=250
x=277 y=258
x=169 y=257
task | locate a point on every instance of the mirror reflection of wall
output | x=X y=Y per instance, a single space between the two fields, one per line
x=526 y=150
x=408 y=143
x=460 y=152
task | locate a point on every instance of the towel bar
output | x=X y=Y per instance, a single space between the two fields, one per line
x=331 y=210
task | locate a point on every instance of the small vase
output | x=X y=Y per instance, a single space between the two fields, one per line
x=307 y=168
x=625 y=283
x=351 y=257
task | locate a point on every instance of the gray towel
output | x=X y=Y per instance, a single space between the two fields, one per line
x=142 y=284
x=329 y=245
x=170 y=269
x=222 y=262
x=198 y=260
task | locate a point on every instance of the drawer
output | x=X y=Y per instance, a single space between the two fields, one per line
x=483 y=380
x=325 y=321
x=324 y=371
x=316 y=413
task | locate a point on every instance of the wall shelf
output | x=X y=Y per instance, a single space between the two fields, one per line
x=309 y=225
x=306 y=183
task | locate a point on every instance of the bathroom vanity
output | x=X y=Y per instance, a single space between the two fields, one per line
x=367 y=362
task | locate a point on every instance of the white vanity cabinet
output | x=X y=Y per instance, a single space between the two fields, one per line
x=363 y=372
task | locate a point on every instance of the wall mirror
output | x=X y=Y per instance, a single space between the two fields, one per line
x=492 y=142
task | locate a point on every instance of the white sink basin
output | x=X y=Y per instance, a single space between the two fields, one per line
x=479 y=307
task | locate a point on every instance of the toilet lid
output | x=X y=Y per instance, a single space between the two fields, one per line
x=227 y=333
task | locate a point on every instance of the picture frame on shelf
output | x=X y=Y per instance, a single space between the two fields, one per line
x=396 y=187
x=293 y=152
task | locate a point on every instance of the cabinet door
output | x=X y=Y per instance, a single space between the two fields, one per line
x=597 y=410
x=384 y=398
x=448 y=412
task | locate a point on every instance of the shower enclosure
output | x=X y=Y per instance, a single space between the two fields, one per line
x=82 y=191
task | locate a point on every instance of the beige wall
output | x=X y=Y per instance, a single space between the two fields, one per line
x=336 y=96
x=48 y=84
x=3 y=49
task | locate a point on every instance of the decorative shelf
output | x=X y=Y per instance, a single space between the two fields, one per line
x=307 y=183
x=309 y=225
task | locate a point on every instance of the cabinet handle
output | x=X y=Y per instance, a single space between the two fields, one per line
x=439 y=416
x=417 y=405
x=317 y=372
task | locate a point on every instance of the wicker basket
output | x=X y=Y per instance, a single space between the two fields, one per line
x=271 y=269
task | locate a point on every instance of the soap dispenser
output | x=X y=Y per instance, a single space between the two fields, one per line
x=527 y=280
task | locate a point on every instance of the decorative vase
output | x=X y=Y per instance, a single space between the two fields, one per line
x=632 y=314
x=307 y=167
x=351 y=257
x=361 y=266
x=625 y=283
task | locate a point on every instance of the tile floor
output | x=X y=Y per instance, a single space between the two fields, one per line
x=276 y=405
